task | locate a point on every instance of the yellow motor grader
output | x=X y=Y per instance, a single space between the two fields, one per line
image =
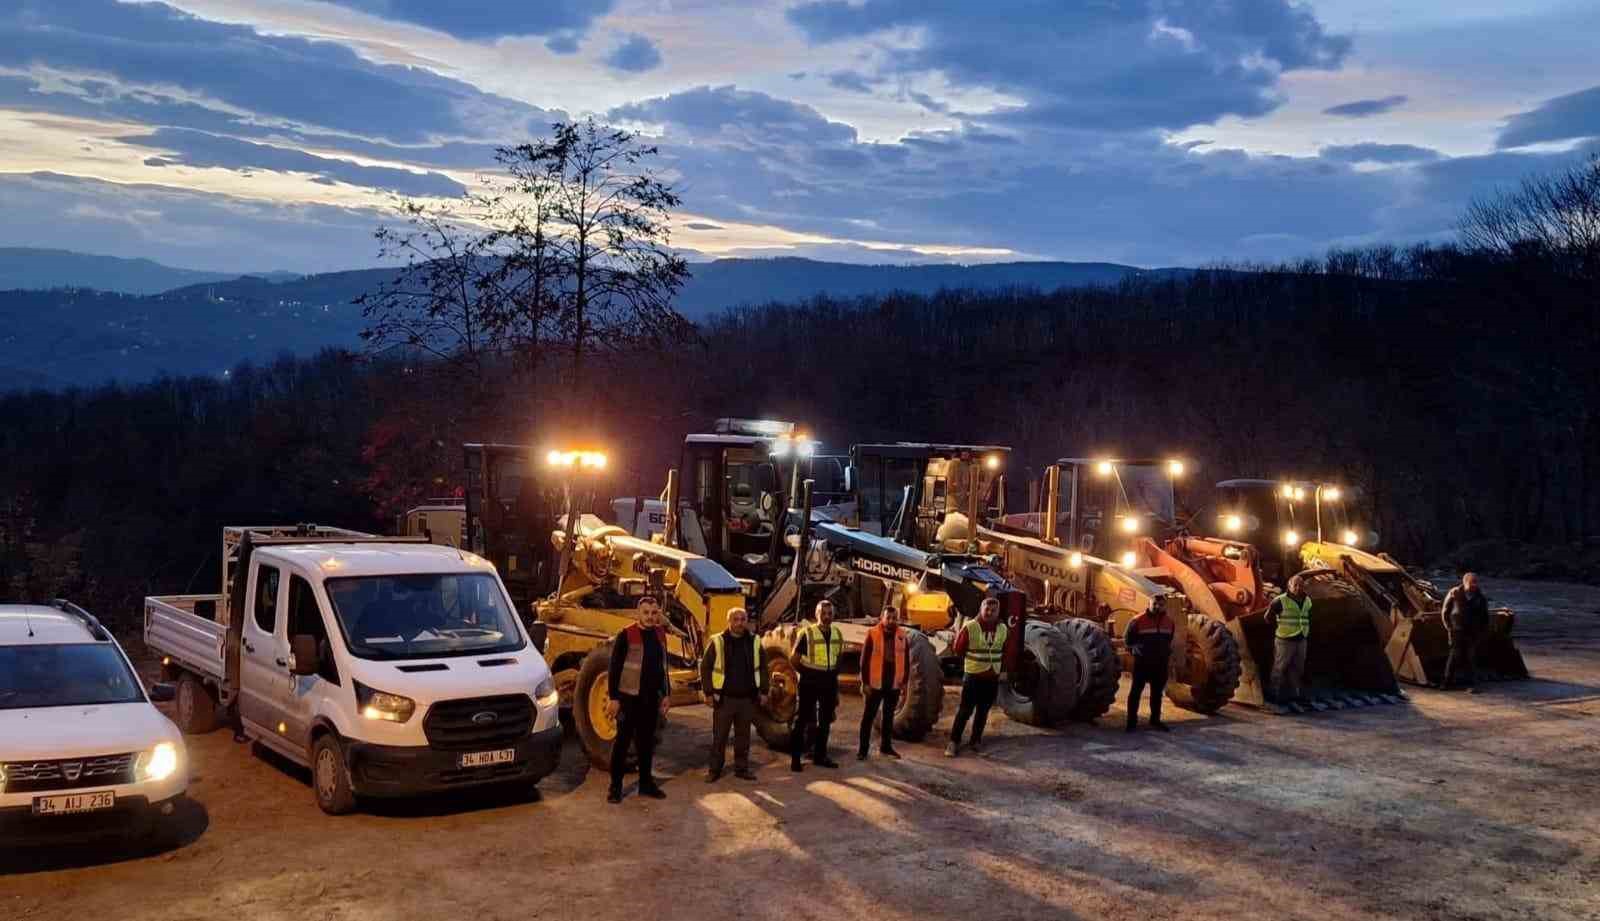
x=1415 y=638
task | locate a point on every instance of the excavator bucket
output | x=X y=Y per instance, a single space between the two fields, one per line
x=1415 y=639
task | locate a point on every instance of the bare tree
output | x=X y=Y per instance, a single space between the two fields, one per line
x=1554 y=217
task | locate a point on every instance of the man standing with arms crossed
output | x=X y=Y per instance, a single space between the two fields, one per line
x=1291 y=612
x=638 y=687
x=731 y=674
x=981 y=643
x=816 y=659
x=885 y=659
x=1466 y=616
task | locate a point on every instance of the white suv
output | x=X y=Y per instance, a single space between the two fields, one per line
x=82 y=748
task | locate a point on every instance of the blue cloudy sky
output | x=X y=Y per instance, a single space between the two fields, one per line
x=271 y=134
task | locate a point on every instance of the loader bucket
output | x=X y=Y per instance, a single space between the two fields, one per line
x=1345 y=661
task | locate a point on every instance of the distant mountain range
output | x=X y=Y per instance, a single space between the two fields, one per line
x=22 y=267
x=107 y=324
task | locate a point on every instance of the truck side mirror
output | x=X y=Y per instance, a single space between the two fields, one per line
x=850 y=479
x=305 y=659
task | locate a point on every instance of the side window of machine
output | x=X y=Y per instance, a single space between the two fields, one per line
x=267 y=598
x=305 y=619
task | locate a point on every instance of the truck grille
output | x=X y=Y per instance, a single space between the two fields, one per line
x=460 y=725
x=69 y=773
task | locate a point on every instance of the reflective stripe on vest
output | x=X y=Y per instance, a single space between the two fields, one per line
x=717 y=674
x=633 y=664
x=983 y=655
x=822 y=650
x=1295 y=619
x=902 y=657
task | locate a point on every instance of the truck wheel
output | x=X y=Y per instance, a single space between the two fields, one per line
x=776 y=713
x=196 y=709
x=1209 y=674
x=923 y=698
x=330 y=776
x=1099 y=669
x=1044 y=688
x=596 y=730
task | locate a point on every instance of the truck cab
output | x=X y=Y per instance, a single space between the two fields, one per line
x=388 y=667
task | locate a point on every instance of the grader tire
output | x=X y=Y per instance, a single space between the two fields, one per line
x=1212 y=656
x=596 y=731
x=923 y=698
x=1099 y=669
x=1044 y=690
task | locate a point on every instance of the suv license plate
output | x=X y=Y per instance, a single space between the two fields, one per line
x=70 y=803
x=484 y=759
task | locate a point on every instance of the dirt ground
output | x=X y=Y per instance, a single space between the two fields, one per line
x=1449 y=806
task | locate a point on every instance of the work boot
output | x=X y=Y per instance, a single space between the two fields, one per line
x=1157 y=724
x=1472 y=690
x=713 y=775
x=795 y=765
x=976 y=745
x=744 y=773
x=861 y=754
x=652 y=791
x=614 y=795
x=952 y=749
x=889 y=753
x=825 y=761
x=1132 y=725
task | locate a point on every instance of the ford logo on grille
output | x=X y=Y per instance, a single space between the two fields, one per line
x=485 y=718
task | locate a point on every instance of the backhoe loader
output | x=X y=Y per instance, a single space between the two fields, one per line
x=1087 y=559
x=1415 y=638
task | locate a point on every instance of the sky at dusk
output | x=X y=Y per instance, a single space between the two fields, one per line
x=253 y=135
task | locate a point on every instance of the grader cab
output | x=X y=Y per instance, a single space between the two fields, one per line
x=1415 y=638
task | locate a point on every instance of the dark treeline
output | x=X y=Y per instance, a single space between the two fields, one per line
x=1454 y=387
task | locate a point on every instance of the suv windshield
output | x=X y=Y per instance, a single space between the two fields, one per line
x=65 y=675
x=423 y=616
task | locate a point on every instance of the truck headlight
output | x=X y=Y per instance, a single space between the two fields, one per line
x=545 y=693
x=381 y=705
x=1351 y=538
x=160 y=762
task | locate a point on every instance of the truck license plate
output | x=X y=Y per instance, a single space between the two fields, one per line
x=69 y=803
x=484 y=759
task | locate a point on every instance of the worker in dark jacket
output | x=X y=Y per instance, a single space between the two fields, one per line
x=980 y=645
x=638 y=687
x=1149 y=638
x=816 y=659
x=885 y=663
x=1466 y=617
x=731 y=676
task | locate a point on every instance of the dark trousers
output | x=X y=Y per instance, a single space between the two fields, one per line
x=736 y=713
x=1459 y=669
x=819 y=700
x=636 y=724
x=1153 y=674
x=977 y=696
x=888 y=699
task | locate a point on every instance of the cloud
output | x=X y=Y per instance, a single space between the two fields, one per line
x=484 y=19
x=1575 y=115
x=1379 y=153
x=707 y=112
x=703 y=225
x=851 y=80
x=196 y=148
x=635 y=55
x=1364 y=108
x=1134 y=66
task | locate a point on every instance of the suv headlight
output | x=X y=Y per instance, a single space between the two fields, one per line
x=159 y=763
x=381 y=705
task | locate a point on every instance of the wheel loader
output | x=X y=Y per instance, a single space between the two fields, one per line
x=1415 y=639
x=1262 y=526
x=1088 y=561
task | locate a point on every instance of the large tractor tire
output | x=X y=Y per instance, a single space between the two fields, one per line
x=1209 y=672
x=1044 y=689
x=1099 y=669
x=597 y=731
x=923 y=698
x=775 y=716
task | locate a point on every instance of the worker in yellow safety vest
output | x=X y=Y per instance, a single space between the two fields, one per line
x=1291 y=613
x=731 y=682
x=981 y=645
x=816 y=659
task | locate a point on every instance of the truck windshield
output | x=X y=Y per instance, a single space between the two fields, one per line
x=65 y=675
x=423 y=616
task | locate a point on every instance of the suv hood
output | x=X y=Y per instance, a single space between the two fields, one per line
x=83 y=731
